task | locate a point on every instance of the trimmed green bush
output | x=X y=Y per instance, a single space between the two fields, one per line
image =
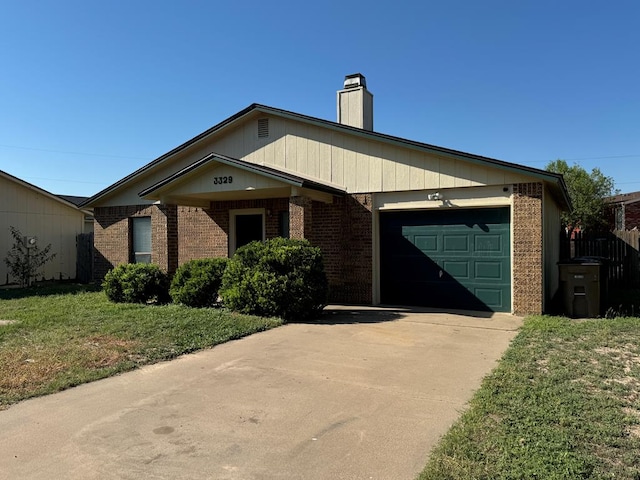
x=280 y=277
x=196 y=283
x=136 y=283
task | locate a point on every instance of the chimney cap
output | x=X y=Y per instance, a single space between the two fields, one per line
x=355 y=80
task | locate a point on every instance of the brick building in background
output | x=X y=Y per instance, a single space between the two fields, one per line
x=398 y=221
x=624 y=211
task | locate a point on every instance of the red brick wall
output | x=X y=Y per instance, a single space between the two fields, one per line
x=301 y=218
x=527 y=248
x=632 y=216
x=343 y=231
x=112 y=242
x=164 y=237
x=204 y=233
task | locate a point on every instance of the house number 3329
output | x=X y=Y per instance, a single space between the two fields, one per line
x=221 y=180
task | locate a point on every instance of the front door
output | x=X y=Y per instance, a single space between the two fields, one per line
x=248 y=229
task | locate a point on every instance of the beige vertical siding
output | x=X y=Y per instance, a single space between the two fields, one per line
x=360 y=165
x=36 y=214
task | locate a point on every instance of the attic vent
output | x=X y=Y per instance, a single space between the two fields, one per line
x=263 y=127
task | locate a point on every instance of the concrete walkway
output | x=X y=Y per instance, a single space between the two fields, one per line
x=365 y=394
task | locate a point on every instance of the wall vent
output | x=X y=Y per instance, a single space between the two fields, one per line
x=263 y=127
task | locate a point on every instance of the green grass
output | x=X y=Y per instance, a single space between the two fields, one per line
x=63 y=336
x=564 y=403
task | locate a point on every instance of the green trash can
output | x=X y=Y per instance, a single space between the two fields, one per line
x=582 y=282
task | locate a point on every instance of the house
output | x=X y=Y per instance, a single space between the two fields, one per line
x=45 y=216
x=398 y=221
x=624 y=211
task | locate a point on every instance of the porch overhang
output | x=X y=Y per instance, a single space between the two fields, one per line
x=217 y=177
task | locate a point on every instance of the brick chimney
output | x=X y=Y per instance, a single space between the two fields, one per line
x=355 y=103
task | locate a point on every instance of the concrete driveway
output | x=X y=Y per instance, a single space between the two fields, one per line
x=365 y=394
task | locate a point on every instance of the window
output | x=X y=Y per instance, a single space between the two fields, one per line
x=141 y=239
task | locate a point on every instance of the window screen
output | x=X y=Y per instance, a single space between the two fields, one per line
x=141 y=241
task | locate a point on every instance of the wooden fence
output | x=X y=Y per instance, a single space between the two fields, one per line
x=620 y=249
x=84 y=259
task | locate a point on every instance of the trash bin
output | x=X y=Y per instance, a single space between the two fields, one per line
x=583 y=282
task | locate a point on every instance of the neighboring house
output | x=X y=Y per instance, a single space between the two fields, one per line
x=399 y=221
x=48 y=217
x=624 y=211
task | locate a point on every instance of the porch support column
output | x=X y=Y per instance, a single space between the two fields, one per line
x=300 y=217
x=164 y=237
x=528 y=262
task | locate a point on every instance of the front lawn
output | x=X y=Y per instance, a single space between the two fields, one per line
x=55 y=338
x=564 y=403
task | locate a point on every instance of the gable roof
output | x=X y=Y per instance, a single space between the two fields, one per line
x=41 y=191
x=269 y=172
x=554 y=178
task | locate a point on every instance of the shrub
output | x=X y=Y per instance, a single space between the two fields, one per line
x=279 y=277
x=136 y=283
x=196 y=283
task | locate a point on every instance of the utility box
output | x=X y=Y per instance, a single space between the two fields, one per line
x=583 y=282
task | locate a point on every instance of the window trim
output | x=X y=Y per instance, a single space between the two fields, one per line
x=132 y=252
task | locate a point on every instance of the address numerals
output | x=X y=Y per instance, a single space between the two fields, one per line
x=222 y=180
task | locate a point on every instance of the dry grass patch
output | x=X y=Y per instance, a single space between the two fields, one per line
x=30 y=368
x=63 y=337
x=27 y=368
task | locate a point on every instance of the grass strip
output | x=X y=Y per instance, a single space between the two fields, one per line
x=564 y=403
x=51 y=340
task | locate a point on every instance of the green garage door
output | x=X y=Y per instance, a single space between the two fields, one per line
x=457 y=259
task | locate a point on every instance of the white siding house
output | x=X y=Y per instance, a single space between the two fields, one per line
x=38 y=213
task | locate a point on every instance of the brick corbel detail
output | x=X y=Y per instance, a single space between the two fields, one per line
x=300 y=217
x=528 y=263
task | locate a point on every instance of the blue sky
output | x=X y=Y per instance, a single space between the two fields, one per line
x=91 y=91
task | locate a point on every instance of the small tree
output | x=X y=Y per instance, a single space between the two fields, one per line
x=587 y=192
x=25 y=260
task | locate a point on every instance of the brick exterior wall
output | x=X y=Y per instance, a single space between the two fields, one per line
x=343 y=231
x=164 y=237
x=112 y=235
x=527 y=248
x=204 y=232
x=632 y=216
x=301 y=218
